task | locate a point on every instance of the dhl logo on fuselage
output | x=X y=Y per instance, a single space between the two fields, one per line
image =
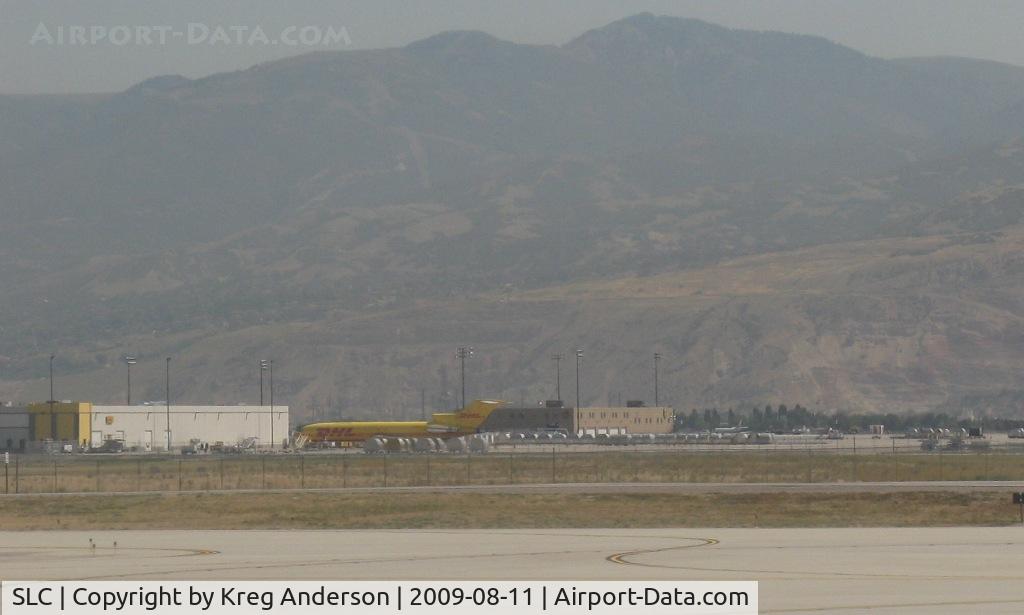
x=335 y=431
x=359 y=432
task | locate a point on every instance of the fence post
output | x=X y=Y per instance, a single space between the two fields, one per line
x=895 y=463
x=809 y=463
x=940 y=463
x=855 y=459
x=302 y=471
x=7 y=479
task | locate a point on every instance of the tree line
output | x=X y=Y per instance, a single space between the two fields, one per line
x=784 y=418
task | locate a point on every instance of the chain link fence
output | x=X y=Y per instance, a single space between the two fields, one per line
x=42 y=474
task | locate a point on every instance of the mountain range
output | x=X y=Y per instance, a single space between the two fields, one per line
x=783 y=218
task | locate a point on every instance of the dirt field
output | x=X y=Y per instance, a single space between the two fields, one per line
x=44 y=474
x=496 y=510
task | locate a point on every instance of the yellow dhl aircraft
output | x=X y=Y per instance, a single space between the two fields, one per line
x=442 y=425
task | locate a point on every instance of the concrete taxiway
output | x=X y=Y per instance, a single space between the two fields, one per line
x=872 y=570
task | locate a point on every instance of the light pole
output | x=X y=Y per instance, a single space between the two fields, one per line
x=263 y=367
x=129 y=360
x=53 y=417
x=558 y=376
x=168 y=403
x=271 y=365
x=462 y=353
x=657 y=357
x=579 y=359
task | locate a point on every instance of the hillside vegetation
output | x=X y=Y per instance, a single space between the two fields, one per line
x=783 y=218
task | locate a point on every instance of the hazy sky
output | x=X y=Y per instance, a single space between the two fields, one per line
x=127 y=41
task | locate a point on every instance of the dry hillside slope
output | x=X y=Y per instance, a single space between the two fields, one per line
x=895 y=324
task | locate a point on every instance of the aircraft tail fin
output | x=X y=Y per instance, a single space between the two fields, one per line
x=475 y=413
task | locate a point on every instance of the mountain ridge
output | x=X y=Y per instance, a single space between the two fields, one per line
x=351 y=186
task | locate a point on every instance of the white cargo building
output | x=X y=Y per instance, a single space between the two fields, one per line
x=14 y=428
x=145 y=427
